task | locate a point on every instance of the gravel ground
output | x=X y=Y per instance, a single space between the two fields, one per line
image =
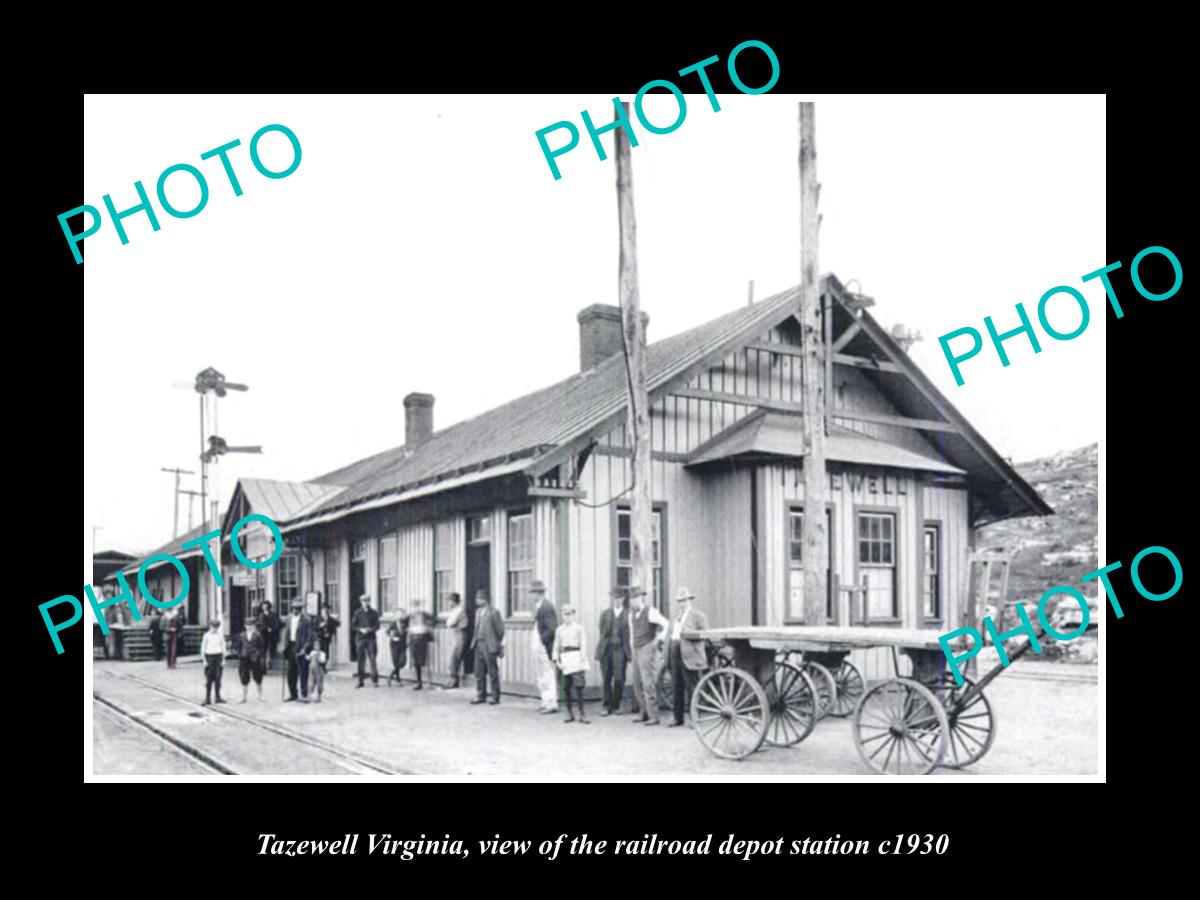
x=1046 y=725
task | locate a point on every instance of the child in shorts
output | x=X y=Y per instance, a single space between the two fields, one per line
x=250 y=663
x=570 y=655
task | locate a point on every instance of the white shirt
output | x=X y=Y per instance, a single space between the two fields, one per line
x=293 y=627
x=658 y=618
x=654 y=617
x=214 y=642
x=677 y=628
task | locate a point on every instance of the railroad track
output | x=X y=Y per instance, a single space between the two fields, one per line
x=1064 y=678
x=202 y=759
x=352 y=760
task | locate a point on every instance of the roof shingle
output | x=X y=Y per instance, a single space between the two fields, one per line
x=544 y=418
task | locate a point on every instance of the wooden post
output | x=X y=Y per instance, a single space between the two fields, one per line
x=175 y=524
x=815 y=535
x=634 y=336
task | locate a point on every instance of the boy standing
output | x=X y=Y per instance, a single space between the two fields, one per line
x=212 y=648
x=570 y=654
x=250 y=662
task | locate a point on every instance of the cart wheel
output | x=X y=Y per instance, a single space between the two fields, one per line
x=850 y=688
x=972 y=723
x=900 y=728
x=730 y=712
x=666 y=688
x=823 y=681
x=793 y=703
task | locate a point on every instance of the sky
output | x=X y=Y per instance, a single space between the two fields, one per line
x=423 y=245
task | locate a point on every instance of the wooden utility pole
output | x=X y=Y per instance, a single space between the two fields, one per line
x=815 y=536
x=191 y=495
x=175 y=521
x=634 y=334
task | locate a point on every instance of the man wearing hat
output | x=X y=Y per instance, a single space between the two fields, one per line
x=489 y=647
x=686 y=658
x=613 y=651
x=269 y=626
x=299 y=636
x=541 y=643
x=364 y=626
x=647 y=627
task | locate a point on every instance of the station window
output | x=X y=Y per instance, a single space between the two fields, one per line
x=443 y=565
x=932 y=585
x=877 y=562
x=289 y=581
x=520 y=561
x=333 y=577
x=795 y=610
x=624 y=552
x=388 y=564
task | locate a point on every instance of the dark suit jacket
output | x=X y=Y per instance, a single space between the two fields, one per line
x=606 y=633
x=324 y=629
x=253 y=649
x=268 y=625
x=364 y=618
x=304 y=634
x=547 y=623
x=489 y=630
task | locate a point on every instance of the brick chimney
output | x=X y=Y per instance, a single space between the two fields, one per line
x=600 y=334
x=418 y=419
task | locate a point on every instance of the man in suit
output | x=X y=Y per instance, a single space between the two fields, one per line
x=489 y=647
x=174 y=629
x=156 y=637
x=687 y=658
x=268 y=625
x=300 y=635
x=613 y=651
x=541 y=644
x=364 y=626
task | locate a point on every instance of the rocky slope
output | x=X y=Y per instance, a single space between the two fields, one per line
x=1058 y=549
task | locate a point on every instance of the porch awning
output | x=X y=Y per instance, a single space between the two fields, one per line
x=776 y=434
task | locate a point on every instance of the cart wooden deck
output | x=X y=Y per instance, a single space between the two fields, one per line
x=773 y=684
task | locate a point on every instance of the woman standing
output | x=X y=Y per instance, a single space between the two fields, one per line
x=420 y=633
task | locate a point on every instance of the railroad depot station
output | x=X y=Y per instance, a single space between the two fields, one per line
x=538 y=488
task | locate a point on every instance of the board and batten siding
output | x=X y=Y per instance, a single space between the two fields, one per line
x=415 y=585
x=861 y=490
x=949 y=508
x=710 y=541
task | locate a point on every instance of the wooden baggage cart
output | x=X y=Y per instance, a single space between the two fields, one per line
x=761 y=691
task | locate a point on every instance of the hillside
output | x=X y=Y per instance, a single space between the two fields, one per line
x=1057 y=549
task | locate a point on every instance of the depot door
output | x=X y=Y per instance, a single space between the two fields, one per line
x=479 y=574
x=358 y=586
x=237 y=610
